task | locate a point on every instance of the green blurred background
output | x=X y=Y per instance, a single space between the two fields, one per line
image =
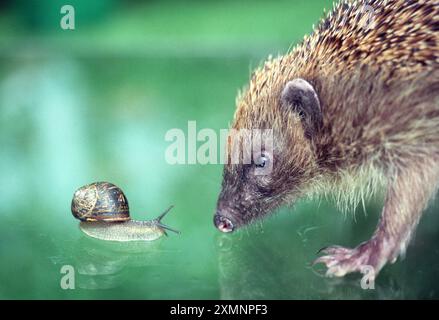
x=94 y=104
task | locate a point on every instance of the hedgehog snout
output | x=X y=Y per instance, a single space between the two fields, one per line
x=223 y=223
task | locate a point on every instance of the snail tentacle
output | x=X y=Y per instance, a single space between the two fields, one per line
x=157 y=221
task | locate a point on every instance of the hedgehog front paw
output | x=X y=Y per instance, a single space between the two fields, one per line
x=340 y=261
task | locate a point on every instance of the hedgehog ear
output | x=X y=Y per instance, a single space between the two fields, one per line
x=299 y=95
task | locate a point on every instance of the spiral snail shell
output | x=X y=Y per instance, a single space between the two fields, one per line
x=103 y=210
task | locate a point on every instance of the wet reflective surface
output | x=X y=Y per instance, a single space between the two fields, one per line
x=267 y=261
x=70 y=116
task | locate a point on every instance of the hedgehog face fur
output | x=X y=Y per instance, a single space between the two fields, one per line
x=281 y=167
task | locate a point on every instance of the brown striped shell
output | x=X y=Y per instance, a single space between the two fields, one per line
x=100 y=201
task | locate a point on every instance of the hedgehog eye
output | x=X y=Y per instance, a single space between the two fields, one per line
x=261 y=161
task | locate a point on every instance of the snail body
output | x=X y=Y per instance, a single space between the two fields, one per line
x=103 y=210
x=130 y=230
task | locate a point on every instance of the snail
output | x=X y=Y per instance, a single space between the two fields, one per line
x=103 y=210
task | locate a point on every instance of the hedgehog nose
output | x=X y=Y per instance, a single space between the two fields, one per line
x=223 y=224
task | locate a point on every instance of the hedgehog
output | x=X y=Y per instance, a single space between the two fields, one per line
x=353 y=111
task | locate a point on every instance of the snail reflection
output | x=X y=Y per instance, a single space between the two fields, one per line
x=107 y=265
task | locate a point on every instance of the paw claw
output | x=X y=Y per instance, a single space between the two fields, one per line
x=323 y=259
x=322 y=250
x=340 y=261
x=328 y=261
